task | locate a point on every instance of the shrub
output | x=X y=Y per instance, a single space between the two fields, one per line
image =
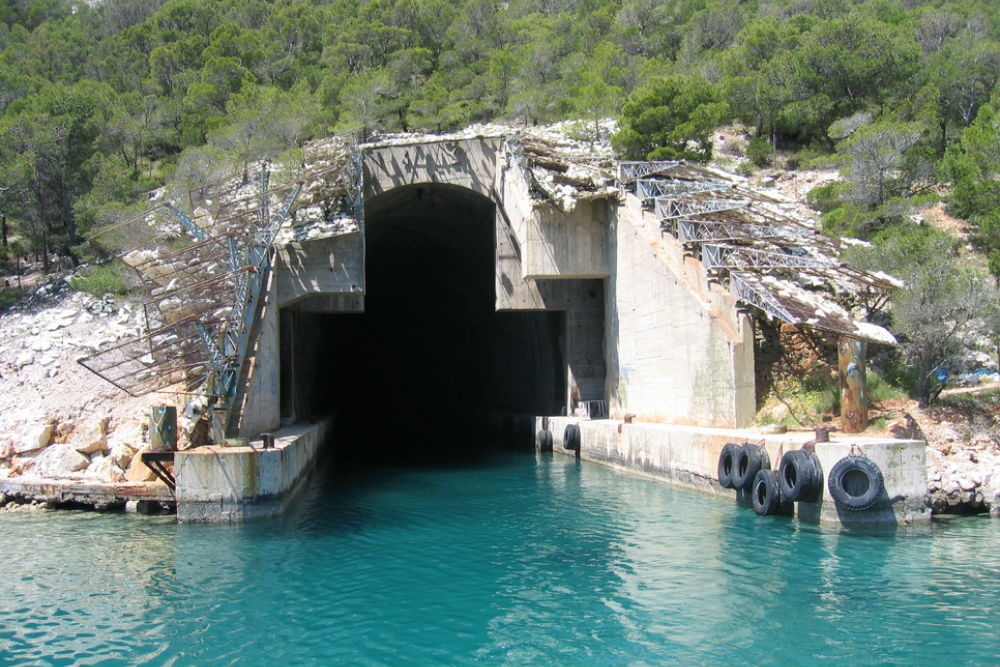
x=759 y=151
x=825 y=198
x=108 y=278
x=9 y=296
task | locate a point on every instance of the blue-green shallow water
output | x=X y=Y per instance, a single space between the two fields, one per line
x=516 y=561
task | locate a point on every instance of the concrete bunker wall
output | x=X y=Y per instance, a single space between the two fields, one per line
x=639 y=324
x=681 y=352
x=665 y=345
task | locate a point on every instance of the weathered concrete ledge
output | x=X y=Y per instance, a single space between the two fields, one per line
x=687 y=456
x=83 y=492
x=234 y=483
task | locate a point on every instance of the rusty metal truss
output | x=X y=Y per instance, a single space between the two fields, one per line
x=674 y=208
x=747 y=239
x=203 y=276
x=702 y=231
x=716 y=256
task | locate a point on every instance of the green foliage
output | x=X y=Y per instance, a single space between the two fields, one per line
x=889 y=386
x=759 y=151
x=109 y=278
x=825 y=198
x=985 y=400
x=9 y=296
x=803 y=401
x=100 y=101
x=941 y=299
x=972 y=165
x=670 y=118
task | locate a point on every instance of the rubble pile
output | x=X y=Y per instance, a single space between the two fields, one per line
x=330 y=197
x=58 y=421
x=564 y=176
x=963 y=458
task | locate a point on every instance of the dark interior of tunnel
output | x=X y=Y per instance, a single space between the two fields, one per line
x=413 y=377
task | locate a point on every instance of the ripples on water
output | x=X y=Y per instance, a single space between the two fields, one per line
x=514 y=562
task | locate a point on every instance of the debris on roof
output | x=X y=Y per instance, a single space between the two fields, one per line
x=770 y=256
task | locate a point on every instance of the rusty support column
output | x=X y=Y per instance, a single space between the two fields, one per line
x=853 y=385
x=163 y=427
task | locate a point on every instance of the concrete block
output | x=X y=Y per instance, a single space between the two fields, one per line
x=235 y=483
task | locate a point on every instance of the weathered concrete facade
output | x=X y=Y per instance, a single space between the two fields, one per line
x=235 y=483
x=645 y=331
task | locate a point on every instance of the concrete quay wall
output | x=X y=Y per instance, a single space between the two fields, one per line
x=687 y=456
x=220 y=483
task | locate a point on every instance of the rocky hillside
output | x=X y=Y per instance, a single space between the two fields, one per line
x=57 y=419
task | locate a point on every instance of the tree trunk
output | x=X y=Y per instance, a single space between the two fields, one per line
x=853 y=385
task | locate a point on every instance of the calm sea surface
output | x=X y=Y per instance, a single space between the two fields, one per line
x=514 y=560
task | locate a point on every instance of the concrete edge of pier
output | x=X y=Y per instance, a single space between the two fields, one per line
x=225 y=483
x=687 y=456
x=85 y=492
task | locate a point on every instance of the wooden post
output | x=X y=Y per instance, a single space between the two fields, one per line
x=853 y=385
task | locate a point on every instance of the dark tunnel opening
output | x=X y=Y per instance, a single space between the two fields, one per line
x=414 y=376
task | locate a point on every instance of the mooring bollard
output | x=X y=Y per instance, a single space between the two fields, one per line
x=163 y=427
x=268 y=440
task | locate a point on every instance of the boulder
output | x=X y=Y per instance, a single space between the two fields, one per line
x=24 y=359
x=60 y=461
x=121 y=453
x=93 y=437
x=35 y=436
x=20 y=465
x=104 y=469
x=137 y=470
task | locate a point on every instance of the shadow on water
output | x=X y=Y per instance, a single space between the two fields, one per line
x=364 y=459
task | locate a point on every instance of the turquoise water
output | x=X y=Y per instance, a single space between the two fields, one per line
x=510 y=561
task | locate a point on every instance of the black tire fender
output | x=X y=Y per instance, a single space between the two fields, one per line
x=749 y=460
x=764 y=494
x=727 y=461
x=856 y=483
x=571 y=437
x=545 y=440
x=800 y=476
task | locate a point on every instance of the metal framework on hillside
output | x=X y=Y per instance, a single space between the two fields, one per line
x=771 y=260
x=204 y=274
x=651 y=188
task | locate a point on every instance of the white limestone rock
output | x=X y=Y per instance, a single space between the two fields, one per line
x=93 y=437
x=60 y=461
x=104 y=469
x=34 y=437
x=41 y=343
x=122 y=453
x=24 y=359
x=137 y=470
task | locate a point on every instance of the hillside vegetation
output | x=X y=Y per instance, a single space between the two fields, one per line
x=101 y=102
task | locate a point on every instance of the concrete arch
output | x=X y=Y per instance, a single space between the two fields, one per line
x=467 y=163
x=430 y=356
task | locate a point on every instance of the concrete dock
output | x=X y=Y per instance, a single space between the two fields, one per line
x=687 y=456
x=219 y=483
